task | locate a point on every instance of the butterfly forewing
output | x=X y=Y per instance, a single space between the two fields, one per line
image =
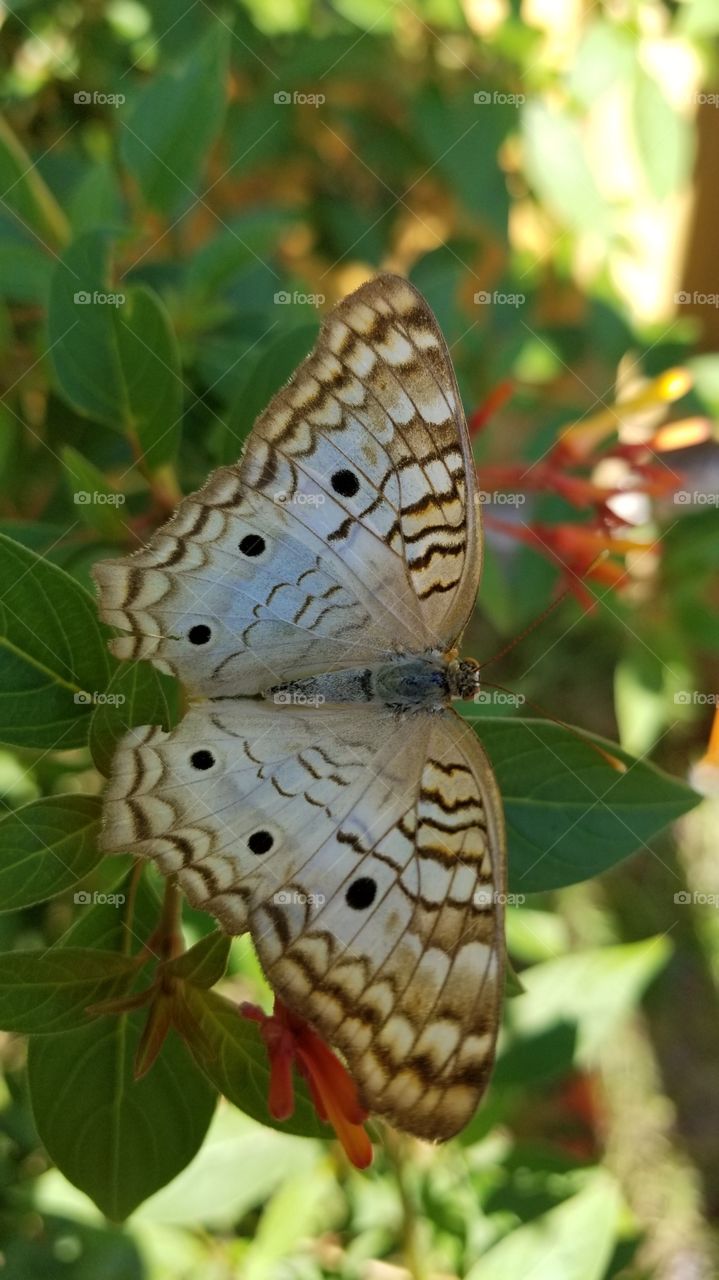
x=348 y=532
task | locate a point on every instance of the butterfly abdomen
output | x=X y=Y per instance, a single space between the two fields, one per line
x=411 y=682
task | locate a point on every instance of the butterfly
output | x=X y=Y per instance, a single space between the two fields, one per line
x=320 y=790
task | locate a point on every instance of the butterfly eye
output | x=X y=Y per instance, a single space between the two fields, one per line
x=252 y=545
x=260 y=842
x=199 y=634
x=361 y=893
x=202 y=759
x=345 y=483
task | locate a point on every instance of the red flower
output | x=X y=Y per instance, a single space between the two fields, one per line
x=290 y=1041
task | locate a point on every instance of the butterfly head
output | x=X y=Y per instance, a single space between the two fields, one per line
x=463 y=678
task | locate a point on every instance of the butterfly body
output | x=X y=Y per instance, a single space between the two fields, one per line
x=408 y=682
x=320 y=791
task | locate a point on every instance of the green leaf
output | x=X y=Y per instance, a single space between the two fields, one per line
x=575 y=1241
x=113 y=350
x=233 y=1056
x=594 y=989
x=205 y=963
x=238 y=1168
x=81 y=330
x=137 y=694
x=263 y=378
x=49 y=991
x=47 y=847
x=558 y=169
x=664 y=138
x=150 y=361
x=97 y=504
x=54 y=657
x=167 y=135
x=117 y=1138
x=571 y=815
x=25 y=193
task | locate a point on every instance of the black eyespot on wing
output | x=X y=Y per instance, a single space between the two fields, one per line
x=345 y=483
x=260 y=842
x=202 y=759
x=361 y=893
x=252 y=545
x=199 y=634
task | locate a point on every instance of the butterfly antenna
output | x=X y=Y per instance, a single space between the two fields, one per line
x=537 y=622
x=614 y=761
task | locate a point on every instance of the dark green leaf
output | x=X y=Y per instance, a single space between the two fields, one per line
x=137 y=694
x=205 y=963
x=569 y=813
x=47 y=847
x=49 y=991
x=116 y=1138
x=98 y=504
x=150 y=362
x=232 y=1054
x=166 y=136
x=54 y=658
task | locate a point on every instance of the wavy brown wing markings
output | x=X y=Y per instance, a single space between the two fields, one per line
x=383 y=366
x=411 y=995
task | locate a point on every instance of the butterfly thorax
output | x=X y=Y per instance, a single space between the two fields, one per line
x=425 y=682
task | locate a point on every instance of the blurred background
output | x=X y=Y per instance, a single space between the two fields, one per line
x=546 y=172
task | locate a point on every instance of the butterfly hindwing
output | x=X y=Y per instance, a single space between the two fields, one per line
x=365 y=855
